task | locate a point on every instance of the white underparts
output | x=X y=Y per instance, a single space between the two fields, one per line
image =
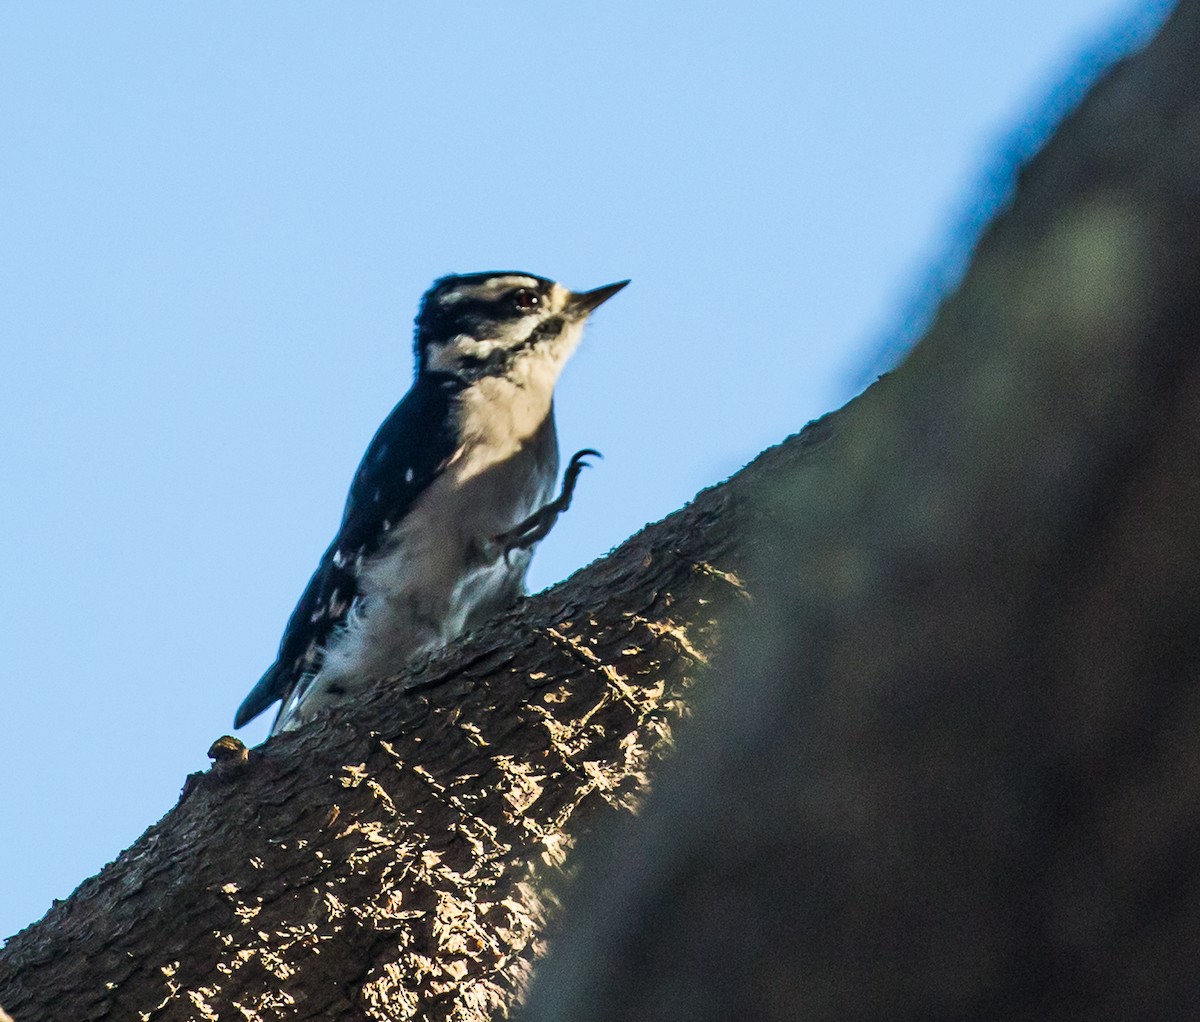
x=440 y=571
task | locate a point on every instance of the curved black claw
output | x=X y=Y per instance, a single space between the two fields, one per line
x=571 y=476
x=538 y=524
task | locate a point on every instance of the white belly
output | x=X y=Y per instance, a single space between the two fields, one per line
x=438 y=574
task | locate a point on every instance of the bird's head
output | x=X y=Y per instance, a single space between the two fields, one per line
x=482 y=324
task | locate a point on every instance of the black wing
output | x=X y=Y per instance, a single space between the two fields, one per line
x=404 y=457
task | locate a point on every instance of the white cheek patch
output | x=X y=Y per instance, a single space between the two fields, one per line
x=521 y=330
x=447 y=357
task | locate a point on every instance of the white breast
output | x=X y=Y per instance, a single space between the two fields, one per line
x=440 y=571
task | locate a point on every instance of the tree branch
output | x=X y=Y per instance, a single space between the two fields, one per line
x=948 y=773
x=391 y=862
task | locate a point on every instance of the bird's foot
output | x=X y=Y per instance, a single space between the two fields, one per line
x=537 y=525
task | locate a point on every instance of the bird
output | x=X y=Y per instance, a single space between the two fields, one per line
x=452 y=496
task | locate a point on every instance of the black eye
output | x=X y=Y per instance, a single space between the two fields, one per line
x=526 y=300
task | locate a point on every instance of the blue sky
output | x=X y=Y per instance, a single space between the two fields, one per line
x=216 y=221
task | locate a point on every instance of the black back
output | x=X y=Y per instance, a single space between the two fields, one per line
x=406 y=454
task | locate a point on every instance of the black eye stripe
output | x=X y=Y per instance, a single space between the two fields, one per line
x=479 y=310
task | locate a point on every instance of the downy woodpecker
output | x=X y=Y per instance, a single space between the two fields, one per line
x=451 y=498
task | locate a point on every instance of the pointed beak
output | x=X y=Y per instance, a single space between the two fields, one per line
x=583 y=303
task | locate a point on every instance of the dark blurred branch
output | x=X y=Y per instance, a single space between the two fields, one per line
x=955 y=772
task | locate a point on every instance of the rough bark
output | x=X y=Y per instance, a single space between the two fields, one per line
x=392 y=863
x=951 y=772
x=956 y=773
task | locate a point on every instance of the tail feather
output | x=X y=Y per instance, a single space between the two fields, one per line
x=267 y=691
